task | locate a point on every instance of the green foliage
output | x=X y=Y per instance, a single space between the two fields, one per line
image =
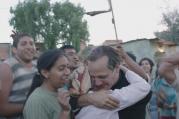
x=171 y=21
x=50 y=23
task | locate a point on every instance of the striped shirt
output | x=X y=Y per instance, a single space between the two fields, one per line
x=22 y=80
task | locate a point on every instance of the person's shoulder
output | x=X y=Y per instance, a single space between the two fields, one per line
x=11 y=62
x=4 y=65
x=38 y=95
x=36 y=105
x=37 y=99
x=5 y=69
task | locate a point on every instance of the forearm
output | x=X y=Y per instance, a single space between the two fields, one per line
x=100 y=99
x=84 y=100
x=11 y=109
x=132 y=93
x=132 y=65
x=173 y=59
x=167 y=70
x=77 y=102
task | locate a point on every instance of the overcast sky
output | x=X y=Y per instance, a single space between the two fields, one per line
x=134 y=18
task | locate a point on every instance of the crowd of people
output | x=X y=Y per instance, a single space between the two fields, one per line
x=106 y=83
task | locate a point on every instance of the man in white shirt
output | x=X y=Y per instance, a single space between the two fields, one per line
x=104 y=73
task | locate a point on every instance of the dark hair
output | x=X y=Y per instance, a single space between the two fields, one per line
x=46 y=61
x=100 y=51
x=64 y=47
x=16 y=36
x=150 y=62
x=131 y=55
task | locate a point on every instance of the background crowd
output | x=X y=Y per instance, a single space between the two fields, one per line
x=105 y=82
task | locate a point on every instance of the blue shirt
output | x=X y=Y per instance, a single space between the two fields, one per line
x=169 y=94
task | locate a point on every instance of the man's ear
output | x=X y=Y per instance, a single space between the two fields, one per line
x=14 y=50
x=117 y=67
x=45 y=73
x=115 y=74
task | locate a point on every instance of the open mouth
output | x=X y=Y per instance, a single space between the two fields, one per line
x=29 y=53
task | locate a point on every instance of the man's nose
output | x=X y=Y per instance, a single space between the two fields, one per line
x=76 y=57
x=30 y=46
x=97 y=82
x=67 y=71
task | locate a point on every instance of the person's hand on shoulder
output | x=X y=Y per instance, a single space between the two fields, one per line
x=102 y=99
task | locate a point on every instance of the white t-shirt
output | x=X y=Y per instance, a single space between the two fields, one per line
x=127 y=96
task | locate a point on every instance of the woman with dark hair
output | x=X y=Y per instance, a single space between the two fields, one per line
x=44 y=101
x=147 y=64
x=152 y=109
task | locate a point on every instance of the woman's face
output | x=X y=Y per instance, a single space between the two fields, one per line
x=146 y=66
x=57 y=76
